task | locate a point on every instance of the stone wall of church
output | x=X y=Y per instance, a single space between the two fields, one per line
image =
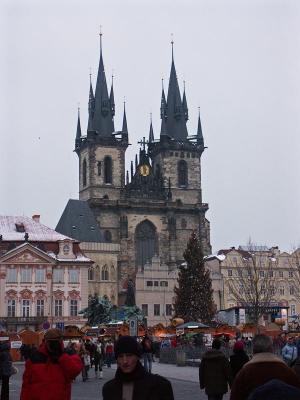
x=168 y=162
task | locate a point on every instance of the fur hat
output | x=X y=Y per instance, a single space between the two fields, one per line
x=53 y=334
x=127 y=345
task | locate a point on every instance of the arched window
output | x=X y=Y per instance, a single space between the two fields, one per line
x=91 y=274
x=104 y=273
x=84 y=171
x=146 y=243
x=107 y=169
x=182 y=173
x=99 y=167
x=107 y=236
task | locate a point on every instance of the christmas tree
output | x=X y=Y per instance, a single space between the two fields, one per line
x=194 y=294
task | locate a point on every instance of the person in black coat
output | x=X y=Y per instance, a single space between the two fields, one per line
x=132 y=381
x=6 y=369
x=239 y=358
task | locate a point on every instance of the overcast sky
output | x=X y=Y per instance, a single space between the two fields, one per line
x=241 y=63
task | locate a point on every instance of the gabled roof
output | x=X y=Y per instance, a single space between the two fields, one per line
x=36 y=231
x=79 y=222
x=29 y=247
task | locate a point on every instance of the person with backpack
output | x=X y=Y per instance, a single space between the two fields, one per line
x=147 y=349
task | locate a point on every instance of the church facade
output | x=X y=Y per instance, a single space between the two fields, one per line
x=151 y=210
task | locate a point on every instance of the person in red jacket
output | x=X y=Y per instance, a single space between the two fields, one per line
x=49 y=371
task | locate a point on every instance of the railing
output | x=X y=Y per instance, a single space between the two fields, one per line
x=23 y=320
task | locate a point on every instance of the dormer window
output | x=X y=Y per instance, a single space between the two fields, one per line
x=66 y=249
x=20 y=227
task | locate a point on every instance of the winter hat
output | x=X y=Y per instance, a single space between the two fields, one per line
x=53 y=334
x=127 y=345
x=239 y=345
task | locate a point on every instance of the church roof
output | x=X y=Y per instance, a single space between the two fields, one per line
x=79 y=222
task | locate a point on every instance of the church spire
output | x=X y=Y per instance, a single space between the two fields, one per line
x=176 y=123
x=184 y=104
x=151 y=134
x=103 y=116
x=91 y=105
x=78 y=131
x=112 y=97
x=200 y=140
x=124 y=126
x=163 y=103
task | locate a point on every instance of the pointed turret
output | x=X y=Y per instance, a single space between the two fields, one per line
x=124 y=126
x=184 y=104
x=131 y=170
x=163 y=129
x=176 y=123
x=103 y=117
x=127 y=177
x=136 y=162
x=151 y=134
x=78 y=131
x=200 y=140
x=91 y=106
x=112 y=97
x=163 y=103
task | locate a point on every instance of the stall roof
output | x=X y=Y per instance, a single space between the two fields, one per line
x=192 y=324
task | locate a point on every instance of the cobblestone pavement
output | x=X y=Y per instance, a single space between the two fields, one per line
x=185 y=385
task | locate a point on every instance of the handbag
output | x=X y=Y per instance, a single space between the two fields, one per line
x=14 y=370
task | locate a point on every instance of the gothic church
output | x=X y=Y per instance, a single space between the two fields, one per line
x=152 y=210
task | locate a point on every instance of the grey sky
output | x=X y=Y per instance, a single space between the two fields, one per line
x=240 y=60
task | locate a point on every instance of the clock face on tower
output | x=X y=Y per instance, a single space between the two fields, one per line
x=144 y=170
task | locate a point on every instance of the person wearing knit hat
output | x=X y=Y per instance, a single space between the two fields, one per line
x=132 y=381
x=49 y=370
x=238 y=358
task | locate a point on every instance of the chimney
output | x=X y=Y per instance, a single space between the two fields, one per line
x=36 y=218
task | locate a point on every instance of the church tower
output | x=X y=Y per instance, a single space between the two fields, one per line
x=151 y=211
x=101 y=154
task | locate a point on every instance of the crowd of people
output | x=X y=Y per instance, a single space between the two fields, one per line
x=264 y=376
x=250 y=373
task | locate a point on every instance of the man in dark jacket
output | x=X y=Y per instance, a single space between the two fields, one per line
x=147 y=348
x=5 y=369
x=238 y=358
x=132 y=381
x=50 y=370
x=215 y=372
x=263 y=367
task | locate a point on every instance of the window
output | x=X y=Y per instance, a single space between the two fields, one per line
x=58 y=275
x=261 y=274
x=91 y=274
x=149 y=283
x=145 y=309
x=182 y=173
x=107 y=169
x=40 y=275
x=40 y=307
x=240 y=273
x=11 y=275
x=146 y=243
x=229 y=272
x=272 y=290
x=155 y=283
x=164 y=283
x=263 y=289
x=107 y=236
x=293 y=309
x=156 y=309
x=73 y=308
x=183 y=223
x=25 y=275
x=73 y=276
x=84 y=172
x=25 y=308
x=104 y=273
x=290 y=274
x=292 y=290
x=281 y=274
x=99 y=167
x=168 y=309
x=11 y=308
x=271 y=274
x=281 y=290
x=58 y=308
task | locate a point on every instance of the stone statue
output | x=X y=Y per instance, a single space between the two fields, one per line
x=130 y=296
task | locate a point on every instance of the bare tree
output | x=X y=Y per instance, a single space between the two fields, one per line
x=252 y=284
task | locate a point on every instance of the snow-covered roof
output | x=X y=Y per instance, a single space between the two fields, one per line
x=36 y=231
x=220 y=257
